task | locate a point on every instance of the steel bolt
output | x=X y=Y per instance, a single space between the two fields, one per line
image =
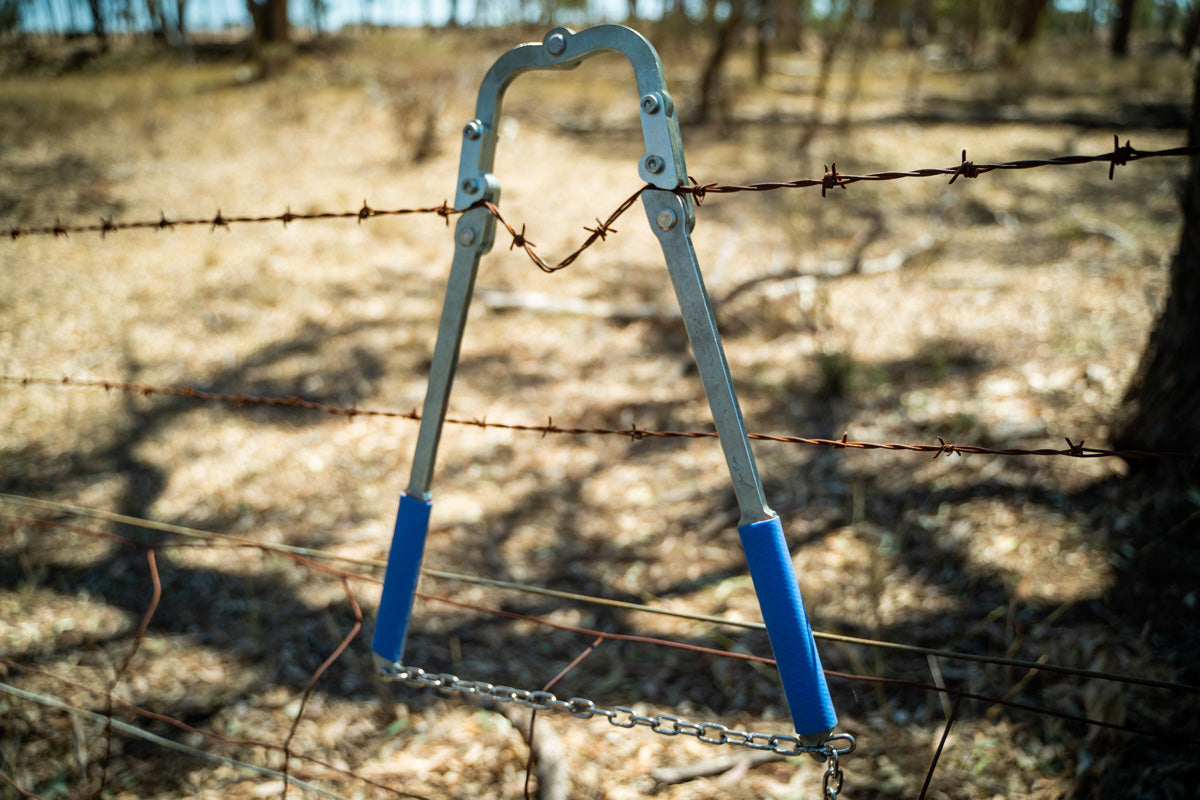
x=466 y=236
x=650 y=104
x=473 y=130
x=666 y=219
x=556 y=44
x=470 y=186
x=654 y=164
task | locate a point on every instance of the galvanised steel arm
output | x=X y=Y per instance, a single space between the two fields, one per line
x=671 y=217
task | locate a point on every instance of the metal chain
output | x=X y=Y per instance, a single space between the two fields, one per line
x=834 y=778
x=625 y=717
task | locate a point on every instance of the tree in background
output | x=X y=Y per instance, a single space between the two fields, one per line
x=270 y=19
x=1161 y=408
x=1122 y=26
x=165 y=26
x=1026 y=19
x=99 y=26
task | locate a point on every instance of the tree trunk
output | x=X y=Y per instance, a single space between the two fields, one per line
x=98 y=23
x=792 y=15
x=1025 y=26
x=1191 y=29
x=1161 y=408
x=764 y=27
x=270 y=20
x=1122 y=25
x=710 y=78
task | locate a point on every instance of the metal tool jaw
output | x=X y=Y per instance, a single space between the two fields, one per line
x=672 y=216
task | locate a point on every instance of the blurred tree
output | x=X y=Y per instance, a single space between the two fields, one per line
x=1026 y=18
x=1191 y=29
x=270 y=19
x=10 y=15
x=1161 y=408
x=99 y=24
x=165 y=26
x=1122 y=25
x=725 y=33
x=790 y=18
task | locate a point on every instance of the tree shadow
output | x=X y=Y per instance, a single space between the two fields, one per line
x=268 y=623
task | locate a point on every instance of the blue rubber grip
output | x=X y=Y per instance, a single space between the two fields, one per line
x=787 y=626
x=400 y=579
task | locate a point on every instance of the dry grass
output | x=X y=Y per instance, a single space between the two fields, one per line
x=1016 y=319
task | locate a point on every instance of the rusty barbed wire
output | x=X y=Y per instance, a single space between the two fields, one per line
x=106 y=225
x=942 y=448
x=1120 y=155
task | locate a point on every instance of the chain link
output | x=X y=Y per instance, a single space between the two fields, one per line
x=625 y=717
x=834 y=778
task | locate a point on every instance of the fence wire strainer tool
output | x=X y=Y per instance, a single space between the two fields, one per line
x=671 y=216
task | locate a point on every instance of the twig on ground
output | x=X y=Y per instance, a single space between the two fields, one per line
x=669 y=776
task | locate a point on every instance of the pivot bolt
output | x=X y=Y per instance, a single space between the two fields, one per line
x=466 y=236
x=666 y=219
x=470 y=186
x=556 y=44
x=473 y=130
x=654 y=164
x=650 y=104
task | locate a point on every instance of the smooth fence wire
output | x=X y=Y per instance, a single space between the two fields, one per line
x=344 y=576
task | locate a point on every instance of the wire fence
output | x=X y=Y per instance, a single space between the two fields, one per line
x=1120 y=155
x=279 y=759
x=315 y=562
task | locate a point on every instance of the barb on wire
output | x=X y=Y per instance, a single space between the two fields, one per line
x=597 y=234
x=1072 y=450
x=1120 y=155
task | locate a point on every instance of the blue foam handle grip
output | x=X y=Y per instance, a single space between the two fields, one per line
x=787 y=626
x=400 y=579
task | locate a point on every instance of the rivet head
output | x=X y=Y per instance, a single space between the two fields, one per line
x=654 y=164
x=666 y=219
x=466 y=236
x=473 y=130
x=470 y=186
x=650 y=104
x=556 y=44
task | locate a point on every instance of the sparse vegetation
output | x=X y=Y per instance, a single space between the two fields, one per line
x=1019 y=320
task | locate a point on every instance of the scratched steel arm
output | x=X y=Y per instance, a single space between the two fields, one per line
x=672 y=217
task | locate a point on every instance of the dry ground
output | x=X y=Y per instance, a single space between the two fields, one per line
x=1006 y=311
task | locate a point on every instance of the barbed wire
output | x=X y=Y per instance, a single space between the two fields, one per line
x=1072 y=450
x=831 y=179
x=1120 y=155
